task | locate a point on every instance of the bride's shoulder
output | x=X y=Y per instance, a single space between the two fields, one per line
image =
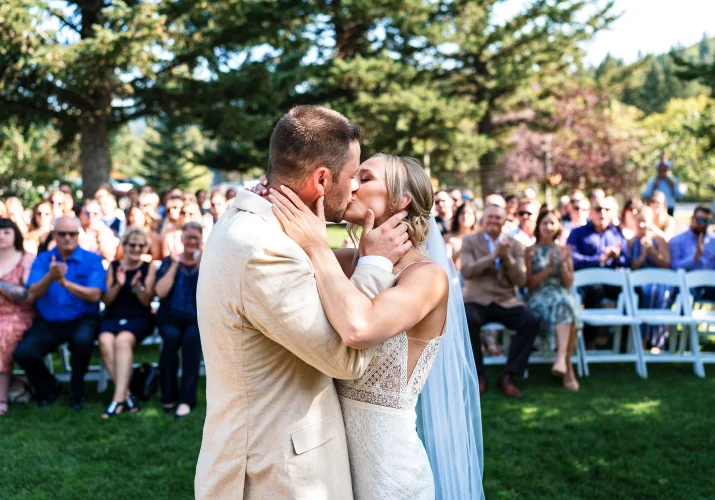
x=424 y=273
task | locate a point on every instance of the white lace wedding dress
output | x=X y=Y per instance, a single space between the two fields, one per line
x=387 y=458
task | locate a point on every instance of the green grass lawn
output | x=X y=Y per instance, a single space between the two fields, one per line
x=620 y=437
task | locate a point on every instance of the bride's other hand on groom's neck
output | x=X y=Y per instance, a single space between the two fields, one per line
x=308 y=194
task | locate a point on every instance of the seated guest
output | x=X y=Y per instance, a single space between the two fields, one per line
x=16 y=213
x=564 y=203
x=95 y=235
x=178 y=324
x=443 y=211
x=598 y=244
x=218 y=205
x=137 y=218
x=629 y=223
x=112 y=216
x=68 y=283
x=170 y=235
x=493 y=267
x=149 y=203
x=695 y=248
x=549 y=271
x=127 y=316
x=663 y=223
x=15 y=304
x=650 y=250
x=40 y=227
x=579 y=208
x=528 y=213
x=463 y=223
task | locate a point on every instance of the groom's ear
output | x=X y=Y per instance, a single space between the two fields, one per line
x=320 y=179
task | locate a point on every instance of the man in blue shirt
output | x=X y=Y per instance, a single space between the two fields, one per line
x=666 y=183
x=67 y=284
x=598 y=244
x=695 y=248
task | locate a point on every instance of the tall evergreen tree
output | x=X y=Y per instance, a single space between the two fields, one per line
x=165 y=162
x=92 y=65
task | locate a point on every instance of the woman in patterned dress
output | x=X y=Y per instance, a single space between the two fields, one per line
x=549 y=277
x=15 y=304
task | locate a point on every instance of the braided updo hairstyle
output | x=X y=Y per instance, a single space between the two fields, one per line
x=404 y=175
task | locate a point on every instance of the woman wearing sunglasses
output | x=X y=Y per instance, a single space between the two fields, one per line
x=127 y=317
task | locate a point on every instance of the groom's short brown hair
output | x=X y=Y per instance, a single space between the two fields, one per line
x=308 y=137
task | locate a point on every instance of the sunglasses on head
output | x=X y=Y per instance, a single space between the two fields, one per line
x=65 y=234
x=702 y=220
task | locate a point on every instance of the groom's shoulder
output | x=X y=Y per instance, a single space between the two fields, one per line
x=249 y=232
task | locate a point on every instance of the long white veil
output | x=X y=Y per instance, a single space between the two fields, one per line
x=449 y=418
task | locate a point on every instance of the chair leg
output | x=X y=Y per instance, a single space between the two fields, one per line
x=617 y=339
x=641 y=368
x=698 y=367
x=582 y=352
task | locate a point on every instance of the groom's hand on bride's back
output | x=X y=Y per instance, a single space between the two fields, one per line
x=389 y=240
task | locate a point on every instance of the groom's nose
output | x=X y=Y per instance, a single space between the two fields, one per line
x=354 y=185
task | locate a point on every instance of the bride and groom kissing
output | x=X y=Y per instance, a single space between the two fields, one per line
x=315 y=359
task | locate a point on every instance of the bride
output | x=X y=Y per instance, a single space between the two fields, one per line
x=416 y=326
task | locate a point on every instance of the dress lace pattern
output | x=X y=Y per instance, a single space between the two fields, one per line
x=387 y=458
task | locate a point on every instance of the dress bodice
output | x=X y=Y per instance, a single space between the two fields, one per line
x=386 y=381
x=540 y=261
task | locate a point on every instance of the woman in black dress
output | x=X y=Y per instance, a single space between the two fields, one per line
x=127 y=317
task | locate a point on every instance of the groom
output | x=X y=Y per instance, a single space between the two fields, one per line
x=274 y=427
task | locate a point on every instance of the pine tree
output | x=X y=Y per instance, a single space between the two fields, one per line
x=90 y=66
x=165 y=161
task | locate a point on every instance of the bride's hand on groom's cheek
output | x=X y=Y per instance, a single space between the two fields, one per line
x=390 y=240
x=298 y=220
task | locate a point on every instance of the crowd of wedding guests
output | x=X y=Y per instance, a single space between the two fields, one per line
x=79 y=272
x=517 y=258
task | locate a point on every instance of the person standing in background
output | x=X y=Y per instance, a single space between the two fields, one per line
x=443 y=211
x=665 y=182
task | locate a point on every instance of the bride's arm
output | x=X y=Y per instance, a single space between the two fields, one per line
x=360 y=321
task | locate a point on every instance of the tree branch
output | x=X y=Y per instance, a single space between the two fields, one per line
x=64 y=20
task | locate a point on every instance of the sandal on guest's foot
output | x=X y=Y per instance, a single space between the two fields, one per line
x=4 y=407
x=115 y=408
x=131 y=404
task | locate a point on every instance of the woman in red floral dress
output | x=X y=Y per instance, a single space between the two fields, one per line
x=15 y=305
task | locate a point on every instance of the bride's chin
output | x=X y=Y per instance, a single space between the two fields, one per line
x=353 y=216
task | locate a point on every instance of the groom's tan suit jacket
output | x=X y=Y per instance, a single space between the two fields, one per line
x=274 y=428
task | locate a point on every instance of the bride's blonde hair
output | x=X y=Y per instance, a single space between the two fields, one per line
x=404 y=175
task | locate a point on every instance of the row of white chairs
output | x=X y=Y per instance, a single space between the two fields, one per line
x=683 y=320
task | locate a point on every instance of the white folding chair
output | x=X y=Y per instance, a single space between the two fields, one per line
x=675 y=318
x=700 y=316
x=618 y=317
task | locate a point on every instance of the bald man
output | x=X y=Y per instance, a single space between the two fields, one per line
x=66 y=283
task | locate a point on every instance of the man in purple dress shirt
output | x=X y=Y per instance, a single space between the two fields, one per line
x=695 y=248
x=598 y=244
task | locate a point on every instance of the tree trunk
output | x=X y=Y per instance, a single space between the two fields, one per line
x=488 y=178
x=94 y=154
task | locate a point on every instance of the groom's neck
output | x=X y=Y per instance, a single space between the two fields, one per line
x=307 y=195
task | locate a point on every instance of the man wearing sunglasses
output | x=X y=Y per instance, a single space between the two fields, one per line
x=695 y=248
x=598 y=244
x=527 y=214
x=68 y=283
